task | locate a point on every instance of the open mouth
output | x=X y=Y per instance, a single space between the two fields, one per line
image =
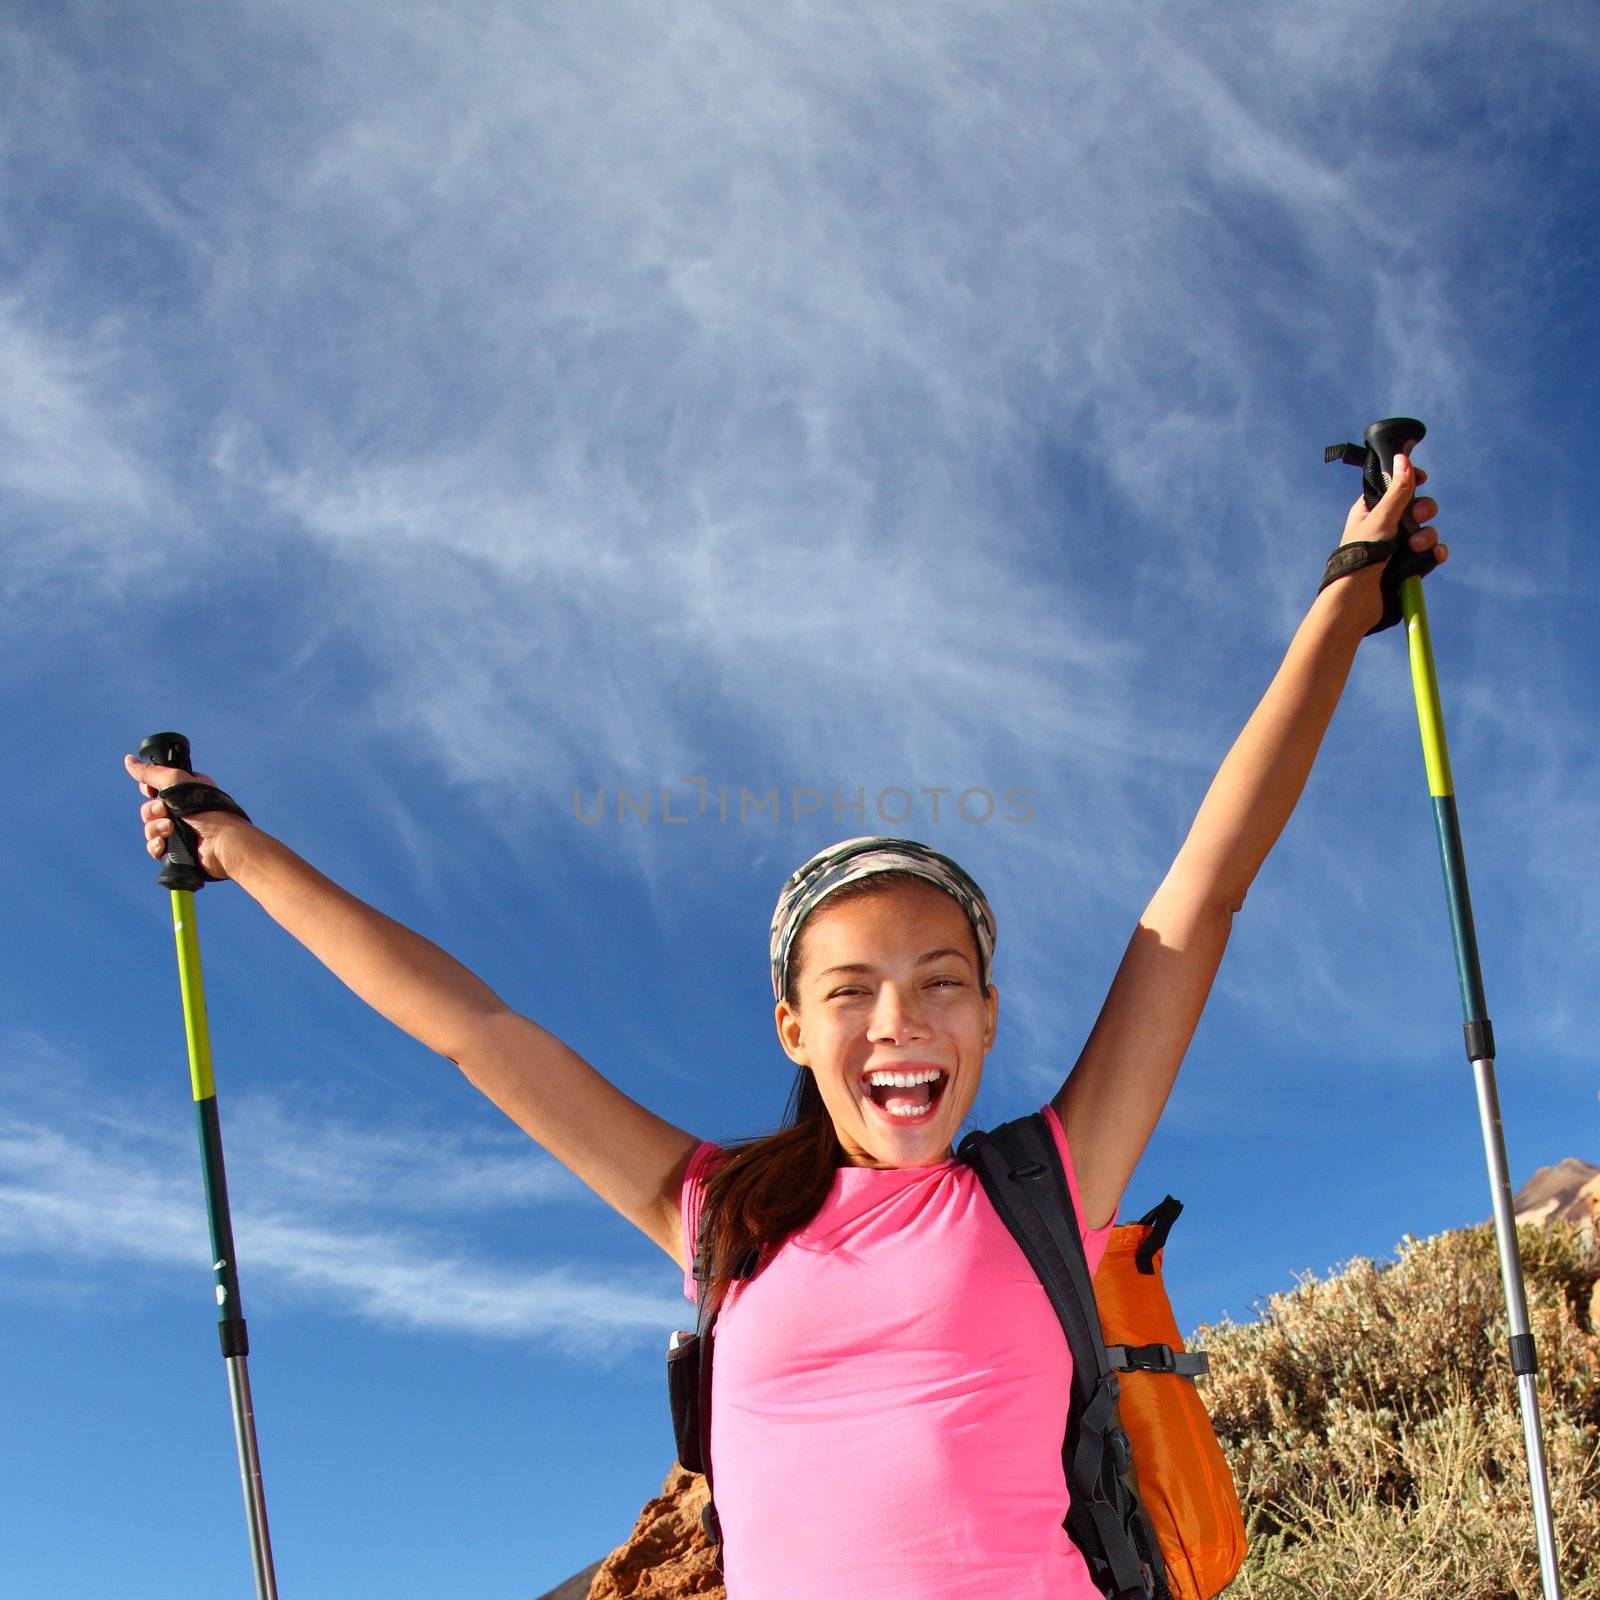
x=908 y=1102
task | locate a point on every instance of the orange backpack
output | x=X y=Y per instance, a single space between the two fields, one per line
x=1183 y=1479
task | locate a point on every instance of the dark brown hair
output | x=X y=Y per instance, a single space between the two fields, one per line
x=764 y=1189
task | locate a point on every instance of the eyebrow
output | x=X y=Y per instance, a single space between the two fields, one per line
x=921 y=961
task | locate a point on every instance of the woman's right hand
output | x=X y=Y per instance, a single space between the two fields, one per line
x=211 y=827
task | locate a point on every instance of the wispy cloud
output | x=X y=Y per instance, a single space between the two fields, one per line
x=326 y=1214
x=821 y=396
x=76 y=491
x=57 y=444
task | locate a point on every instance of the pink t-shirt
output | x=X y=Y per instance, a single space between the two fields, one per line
x=889 y=1400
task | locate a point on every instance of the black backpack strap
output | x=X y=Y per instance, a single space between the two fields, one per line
x=1021 y=1170
x=1158 y=1219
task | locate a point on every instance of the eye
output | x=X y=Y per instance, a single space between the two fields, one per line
x=933 y=983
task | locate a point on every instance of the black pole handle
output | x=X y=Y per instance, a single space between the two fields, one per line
x=1384 y=441
x=181 y=867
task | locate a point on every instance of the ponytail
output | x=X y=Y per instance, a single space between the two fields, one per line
x=765 y=1189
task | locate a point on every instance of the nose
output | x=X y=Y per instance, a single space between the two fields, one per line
x=897 y=1014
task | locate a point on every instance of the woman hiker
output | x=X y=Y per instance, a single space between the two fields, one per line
x=891 y=1385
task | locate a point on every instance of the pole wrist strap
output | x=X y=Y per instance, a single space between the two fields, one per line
x=1361 y=553
x=185 y=799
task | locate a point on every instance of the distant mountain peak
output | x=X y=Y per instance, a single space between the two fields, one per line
x=1570 y=1190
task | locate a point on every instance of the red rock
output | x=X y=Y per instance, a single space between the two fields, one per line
x=667 y=1555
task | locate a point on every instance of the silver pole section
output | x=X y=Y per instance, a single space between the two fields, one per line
x=255 y=1498
x=1505 y=1230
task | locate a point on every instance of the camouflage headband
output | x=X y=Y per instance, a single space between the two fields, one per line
x=842 y=863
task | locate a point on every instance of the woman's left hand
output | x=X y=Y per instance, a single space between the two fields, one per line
x=1383 y=520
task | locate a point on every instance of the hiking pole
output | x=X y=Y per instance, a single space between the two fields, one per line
x=182 y=874
x=1383 y=439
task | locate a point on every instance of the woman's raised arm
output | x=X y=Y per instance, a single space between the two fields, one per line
x=1115 y=1094
x=633 y=1159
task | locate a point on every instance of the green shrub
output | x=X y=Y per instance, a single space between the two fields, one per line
x=1372 y=1424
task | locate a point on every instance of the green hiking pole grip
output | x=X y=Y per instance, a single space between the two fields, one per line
x=1383 y=440
x=182 y=877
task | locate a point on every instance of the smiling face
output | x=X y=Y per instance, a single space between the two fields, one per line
x=889 y=981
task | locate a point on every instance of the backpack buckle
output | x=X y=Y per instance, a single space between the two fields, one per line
x=1142 y=1358
x=1155 y=1357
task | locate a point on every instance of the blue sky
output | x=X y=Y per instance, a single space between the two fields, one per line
x=435 y=410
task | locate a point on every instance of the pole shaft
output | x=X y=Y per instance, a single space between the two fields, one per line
x=234 y=1336
x=255 y=1495
x=1475 y=1015
x=1505 y=1232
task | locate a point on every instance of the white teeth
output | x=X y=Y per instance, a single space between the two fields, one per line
x=903 y=1080
x=908 y=1111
